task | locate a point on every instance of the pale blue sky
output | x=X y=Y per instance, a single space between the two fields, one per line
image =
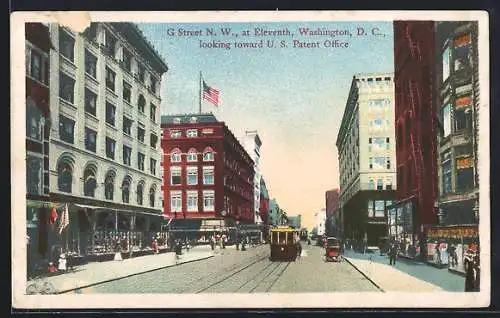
x=294 y=97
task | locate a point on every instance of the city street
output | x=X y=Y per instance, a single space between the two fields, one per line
x=250 y=271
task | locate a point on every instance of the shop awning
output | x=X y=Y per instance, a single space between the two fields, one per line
x=117 y=210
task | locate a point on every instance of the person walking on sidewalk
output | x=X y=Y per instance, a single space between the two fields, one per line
x=393 y=253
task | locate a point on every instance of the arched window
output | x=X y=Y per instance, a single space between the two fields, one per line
x=152 y=197
x=89 y=181
x=208 y=154
x=192 y=155
x=380 y=184
x=109 y=185
x=141 y=103
x=140 y=193
x=126 y=190
x=175 y=155
x=65 y=176
x=371 y=184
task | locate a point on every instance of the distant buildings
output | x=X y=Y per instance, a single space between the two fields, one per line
x=264 y=202
x=252 y=143
x=367 y=157
x=277 y=216
x=208 y=176
x=319 y=222
x=333 y=221
x=295 y=221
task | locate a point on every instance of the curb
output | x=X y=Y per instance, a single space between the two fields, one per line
x=130 y=275
x=366 y=276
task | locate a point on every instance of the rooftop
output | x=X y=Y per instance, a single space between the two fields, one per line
x=188 y=118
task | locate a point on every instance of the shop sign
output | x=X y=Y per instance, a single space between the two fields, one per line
x=464 y=163
x=463 y=102
x=207 y=131
x=460 y=140
x=457 y=232
x=462 y=40
x=463 y=89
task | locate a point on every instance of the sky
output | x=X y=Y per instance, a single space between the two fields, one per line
x=293 y=96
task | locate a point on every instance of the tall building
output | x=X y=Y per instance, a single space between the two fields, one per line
x=458 y=105
x=104 y=149
x=319 y=222
x=38 y=46
x=416 y=127
x=252 y=144
x=264 y=202
x=208 y=176
x=367 y=157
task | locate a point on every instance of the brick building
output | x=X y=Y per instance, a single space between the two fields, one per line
x=416 y=130
x=333 y=222
x=208 y=177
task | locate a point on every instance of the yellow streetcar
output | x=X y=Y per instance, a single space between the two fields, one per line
x=285 y=243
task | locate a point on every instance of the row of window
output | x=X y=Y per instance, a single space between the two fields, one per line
x=192 y=175
x=379 y=162
x=192 y=155
x=378 y=143
x=67 y=134
x=192 y=201
x=457 y=56
x=459 y=116
x=376 y=208
x=380 y=184
x=37 y=64
x=67 y=49
x=65 y=183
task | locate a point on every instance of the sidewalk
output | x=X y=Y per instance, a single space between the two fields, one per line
x=100 y=272
x=406 y=275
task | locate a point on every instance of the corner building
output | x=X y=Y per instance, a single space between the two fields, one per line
x=208 y=177
x=104 y=141
x=367 y=157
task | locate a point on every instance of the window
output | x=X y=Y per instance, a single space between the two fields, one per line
x=140 y=194
x=192 y=201
x=153 y=84
x=65 y=177
x=153 y=140
x=379 y=143
x=463 y=114
x=370 y=208
x=110 y=113
x=141 y=73
x=110 y=79
x=152 y=166
x=370 y=144
x=34 y=119
x=175 y=176
x=192 y=175
x=127 y=155
x=208 y=155
x=192 y=155
x=127 y=92
x=90 y=64
x=110 y=148
x=388 y=184
x=152 y=197
x=34 y=175
x=36 y=65
x=370 y=162
x=90 y=139
x=387 y=144
x=66 y=129
x=152 y=112
x=66 y=87
x=175 y=201
x=208 y=201
x=462 y=54
x=90 y=102
x=379 y=208
x=175 y=156
x=109 y=186
x=388 y=160
x=109 y=44
x=140 y=161
x=127 y=60
x=127 y=125
x=192 y=133
x=175 y=134
x=380 y=184
x=140 y=134
x=66 y=44
x=379 y=162
x=446 y=64
x=141 y=103
x=208 y=175
x=465 y=174
x=90 y=182
x=126 y=190
x=177 y=120
x=446 y=164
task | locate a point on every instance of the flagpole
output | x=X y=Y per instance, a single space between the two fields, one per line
x=199 y=94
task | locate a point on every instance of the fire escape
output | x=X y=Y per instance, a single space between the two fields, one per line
x=416 y=131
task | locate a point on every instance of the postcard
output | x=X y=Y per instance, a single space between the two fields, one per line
x=313 y=159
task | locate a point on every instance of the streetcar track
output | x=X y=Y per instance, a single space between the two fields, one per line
x=253 y=277
x=278 y=277
x=266 y=276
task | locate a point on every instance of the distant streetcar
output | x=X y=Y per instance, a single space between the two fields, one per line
x=284 y=242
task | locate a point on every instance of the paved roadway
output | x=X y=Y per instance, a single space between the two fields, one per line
x=247 y=271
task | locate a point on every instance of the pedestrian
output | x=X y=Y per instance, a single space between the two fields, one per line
x=62 y=262
x=393 y=251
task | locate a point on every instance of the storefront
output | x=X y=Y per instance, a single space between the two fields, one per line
x=403 y=228
x=447 y=245
x=200 y=231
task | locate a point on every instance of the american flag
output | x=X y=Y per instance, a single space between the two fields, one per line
x=210 y=94
x=64 y=219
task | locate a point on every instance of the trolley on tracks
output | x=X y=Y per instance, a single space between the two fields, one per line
x=285 y=243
